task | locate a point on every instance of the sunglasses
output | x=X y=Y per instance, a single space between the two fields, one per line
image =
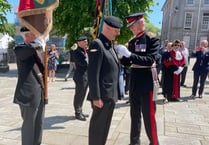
x=177 y=45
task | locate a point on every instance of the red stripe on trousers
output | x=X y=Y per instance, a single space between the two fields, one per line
x=152 y=117
x=175 y=86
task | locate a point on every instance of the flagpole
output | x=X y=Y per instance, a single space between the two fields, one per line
x=46 y=76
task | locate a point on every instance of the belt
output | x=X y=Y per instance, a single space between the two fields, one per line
x=139 y=66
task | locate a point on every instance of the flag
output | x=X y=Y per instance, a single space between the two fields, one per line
x=103 y=8
x=36 y=15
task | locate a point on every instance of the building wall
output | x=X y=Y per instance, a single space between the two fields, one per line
x=173 y=25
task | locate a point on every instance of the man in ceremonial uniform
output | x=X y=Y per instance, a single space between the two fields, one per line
x=103 y=76
x=29 y=93
x=80 y=77
x=140 y=56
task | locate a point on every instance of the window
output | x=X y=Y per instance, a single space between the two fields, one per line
x=205 y=21
x=206 y=2
x=190 y=2
x=188 y=21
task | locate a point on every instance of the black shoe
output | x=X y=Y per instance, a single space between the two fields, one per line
x=165 y=101
x=128 y=102
x=86 y=115
x=192 y=96
x=80 y=116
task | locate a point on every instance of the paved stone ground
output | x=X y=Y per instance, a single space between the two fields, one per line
x=178 y=123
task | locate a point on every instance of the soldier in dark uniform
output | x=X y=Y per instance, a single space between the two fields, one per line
x=103 y=76
x=29 y=93
x=140 y=56
x=80 y=77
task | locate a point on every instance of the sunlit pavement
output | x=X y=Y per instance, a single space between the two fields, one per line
x=178 y=123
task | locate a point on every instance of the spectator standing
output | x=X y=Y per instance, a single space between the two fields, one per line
x=200 y=68
x=80 y=77
x=52 y=62
x=174 y=62
x=185 y=52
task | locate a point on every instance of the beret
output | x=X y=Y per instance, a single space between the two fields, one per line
x=113 y=21
x=82 y=38
x=24 y=29
x=131 y=19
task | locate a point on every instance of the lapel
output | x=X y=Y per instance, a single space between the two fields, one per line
x=112 y=51
x=36 y=73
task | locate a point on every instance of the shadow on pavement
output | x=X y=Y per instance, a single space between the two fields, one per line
x=10 y=73
x=49 y=122
x=53 y=120
x=68 y=88
x=119 y=105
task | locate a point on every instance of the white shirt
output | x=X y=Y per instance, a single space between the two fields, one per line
x=185 y=52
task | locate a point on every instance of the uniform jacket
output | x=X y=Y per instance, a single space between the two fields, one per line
x=80 y=60
x=103 y=70
x=28 y=91
x=144 y=53
x=202 y=61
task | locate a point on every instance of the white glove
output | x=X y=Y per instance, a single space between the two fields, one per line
x=123 y=51
x=40 y=41
x=179 y=70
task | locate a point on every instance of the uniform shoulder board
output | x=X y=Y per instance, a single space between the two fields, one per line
x=93 y=50
x=151 y=34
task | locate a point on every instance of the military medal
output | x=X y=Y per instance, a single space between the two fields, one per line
x=140 y=48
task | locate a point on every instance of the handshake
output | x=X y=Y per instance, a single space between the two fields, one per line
x=122 y=51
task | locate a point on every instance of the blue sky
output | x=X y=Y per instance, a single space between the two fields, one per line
x=155 y=17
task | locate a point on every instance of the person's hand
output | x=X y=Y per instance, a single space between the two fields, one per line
x=179 y=70
x=122 y=50
x=98 y=103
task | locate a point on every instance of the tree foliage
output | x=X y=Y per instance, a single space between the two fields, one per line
x=4 y=8
x=151 y=28
x=76 y=18
x=10 y=29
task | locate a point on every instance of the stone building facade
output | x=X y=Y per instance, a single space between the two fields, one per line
x=186 y=20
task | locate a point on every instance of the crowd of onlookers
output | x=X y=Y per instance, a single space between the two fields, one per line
x=173 y=64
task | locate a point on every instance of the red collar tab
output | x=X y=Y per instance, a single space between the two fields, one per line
x=140 y=34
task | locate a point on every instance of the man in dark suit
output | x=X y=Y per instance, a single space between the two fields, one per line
x=80 y=77
x=140 y=56
x=103 y=76
x=29 y=93
x=200 y=68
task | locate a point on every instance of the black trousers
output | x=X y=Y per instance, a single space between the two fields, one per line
x=100 y=123
x=143 y=104
x=198 y=75
x=183 y=76
x=32 y=126
x=80 y=93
